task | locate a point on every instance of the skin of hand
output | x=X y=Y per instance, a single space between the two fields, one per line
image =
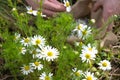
x=49 y=7
x=81 y=8
x=109 y=8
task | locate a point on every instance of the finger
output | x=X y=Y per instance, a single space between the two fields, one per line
x=53 y=7
x=56 y=2
x=48 y=13
x=97 y=5
x=33 y=4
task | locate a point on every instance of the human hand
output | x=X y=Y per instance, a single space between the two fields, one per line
x=109 y=8
x=49 y=8
x=80 y=9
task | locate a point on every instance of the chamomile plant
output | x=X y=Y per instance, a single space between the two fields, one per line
x=38 y=48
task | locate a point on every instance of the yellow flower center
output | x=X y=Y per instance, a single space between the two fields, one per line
x=88 y=56
x=77 y=74
x=90 y=49
x=38 y=41
x=89 y=78
x=67 y=4
x=26 y=40
x=104 y=64
x=39 y=12
x=47 y=78
x=30 y=10
x=36 y=63
x=84 y=32
x=50 y=54
x=81 y=43
x=26 y=68
x=79 y=27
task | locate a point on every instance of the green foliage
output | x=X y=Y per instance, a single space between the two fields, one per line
x=55 y=30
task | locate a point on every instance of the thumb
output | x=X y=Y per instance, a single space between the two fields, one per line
x=97 y=5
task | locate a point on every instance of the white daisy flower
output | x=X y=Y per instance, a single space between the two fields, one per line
x=89 y=76
x=78 y=30
x=81 y=27
x=105 y=65
x=34 y=12
x=40 y=55
x=23 y=50
x=38 y=41
x=42 y=15
x=87 y=56
x=90 y=49
x=34 y=53
x=26 y=41
x=37 y=65
x=77 y=72
x=26 y=69
x=17 y=36
x=31 y=11
x=44 y=76
x=49 y=53
x=86 y=32
x=67 y=5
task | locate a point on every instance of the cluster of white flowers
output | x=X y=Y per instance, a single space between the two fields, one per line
x=104 y=65
x=42 y=51
x=89 y=53
x=76 y=72
x=81 y=31
x=34 y=12
x=84 y=75
x=26 y=69
x=36 y=47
